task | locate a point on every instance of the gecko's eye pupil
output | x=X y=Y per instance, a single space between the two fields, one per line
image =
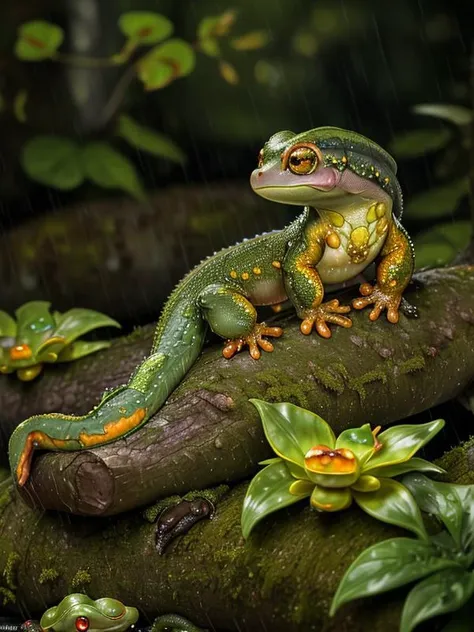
x=302 y=160
x=82 y=624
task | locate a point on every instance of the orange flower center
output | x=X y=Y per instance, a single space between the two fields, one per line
x=20 y=352
x=324 y=460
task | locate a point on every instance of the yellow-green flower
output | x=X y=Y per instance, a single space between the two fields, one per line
x=358 y=465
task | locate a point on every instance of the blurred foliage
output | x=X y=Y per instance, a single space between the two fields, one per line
x=452 y=146
x=62 y=163
x=255 y=68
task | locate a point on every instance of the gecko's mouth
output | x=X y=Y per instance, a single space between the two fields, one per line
x=299 y=195
x=283 y=186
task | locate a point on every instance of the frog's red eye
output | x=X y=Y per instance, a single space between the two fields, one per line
x=82 y=624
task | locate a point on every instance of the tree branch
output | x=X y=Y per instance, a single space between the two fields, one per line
x=209 y=433
x=281 y=579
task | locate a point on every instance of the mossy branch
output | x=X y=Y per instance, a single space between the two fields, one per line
x=281 y=579
x=208 y=433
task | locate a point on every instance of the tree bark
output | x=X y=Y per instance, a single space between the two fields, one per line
x=122 y=257
x=281 y=579
x=209 y=433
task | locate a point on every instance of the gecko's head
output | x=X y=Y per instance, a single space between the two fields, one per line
x=291 y=169
x=310 y=168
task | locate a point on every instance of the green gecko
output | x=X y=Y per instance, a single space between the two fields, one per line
x=352 y=206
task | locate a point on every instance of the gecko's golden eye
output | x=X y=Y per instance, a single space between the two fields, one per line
x=260 y=159
x=302 y=159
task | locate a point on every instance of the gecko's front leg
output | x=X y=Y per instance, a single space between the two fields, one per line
x=393 y=275
x=233 y=317
x=305 y=288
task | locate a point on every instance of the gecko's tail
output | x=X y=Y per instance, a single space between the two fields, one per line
x=121 y=411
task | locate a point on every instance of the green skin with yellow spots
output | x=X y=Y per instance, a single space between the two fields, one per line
x=352 y=208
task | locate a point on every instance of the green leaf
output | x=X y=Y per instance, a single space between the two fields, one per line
x=145 y=27
x=81 y=348
x=443 y=592
x=439 y=245
x=292 y=431
x=228 y=72
x=210 y=46
x=360 y=440
x=392 y=503
x=440 y=499
x=166 y=62
x=466 y=494
x=267 y=492
x=388 y=565
x=7 y=325
x=250 y=41
x=38 y=40
x=35 y=323
x=456 y=114
x=400 y=443
x=19 y=105
x=146 y=139
x=79 y=321
x=216 y=26
x=439 y=201
x=108 y=168
x=53 y=161
x=413 y=464
x=419 y=142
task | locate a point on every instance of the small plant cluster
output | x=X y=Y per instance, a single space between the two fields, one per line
x=360 y=465
x=64 y=163
x=39 y=336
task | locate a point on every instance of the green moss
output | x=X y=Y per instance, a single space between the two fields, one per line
x=5 y=499
x=282 y=388
x=151 y=513
x=48 y=575
x=328 y=378
x=417 y=363
x=80 y=580
x=213 y=495
x=10 y=570
x=459 y=463
x=8 y=596
x=358 y=384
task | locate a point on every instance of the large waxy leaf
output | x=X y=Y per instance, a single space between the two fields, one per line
x=108 y=168
x=268 y=492
x=53 y=161
x=35 y=323
x=38 y=40
x=394 y=504
x=400 y=443
x=147 y=139
x=79 y=321
x=145 y=27
x=413 y=464
x=388 y=565
x=292 y=431
x=359 y=440
x=81 y=348
x=466 y=494
x=7 y=325
x=443 y=592
x=442 y=500
x=419 y=142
